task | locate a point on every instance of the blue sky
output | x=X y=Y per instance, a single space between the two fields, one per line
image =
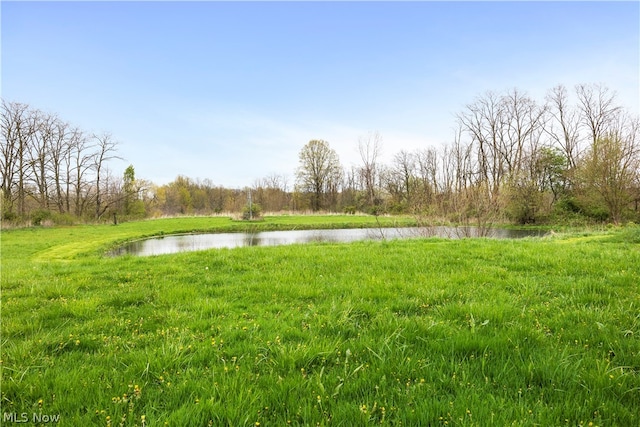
x=231 y=91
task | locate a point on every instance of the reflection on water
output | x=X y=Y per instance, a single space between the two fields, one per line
x=196 y=242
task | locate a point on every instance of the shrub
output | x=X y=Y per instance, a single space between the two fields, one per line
x=252 y=212
x=350 y=210
x=63 y=219
x=9 y=216
x=39 y=216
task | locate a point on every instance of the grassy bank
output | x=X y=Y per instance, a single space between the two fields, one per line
x=417 y=332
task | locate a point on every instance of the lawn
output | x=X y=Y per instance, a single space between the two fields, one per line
x=417 y=332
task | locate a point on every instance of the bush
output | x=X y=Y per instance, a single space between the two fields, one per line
x=376 y=210
x=350 y=210
x=9 y=216
x=598 y=213
x=43 y=217
x=39 y=216
x=568 y=204
x=397 y=208
x=63 y=219
x=252 y=213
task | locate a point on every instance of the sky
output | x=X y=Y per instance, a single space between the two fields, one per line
x=232 y=91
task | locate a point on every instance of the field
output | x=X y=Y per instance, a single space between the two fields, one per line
x=416 y=332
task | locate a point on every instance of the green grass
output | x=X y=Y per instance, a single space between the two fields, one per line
x=416 y=332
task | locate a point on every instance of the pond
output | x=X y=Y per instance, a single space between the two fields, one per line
x=195 y=242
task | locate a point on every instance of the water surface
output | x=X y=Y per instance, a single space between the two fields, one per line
x=195 y=242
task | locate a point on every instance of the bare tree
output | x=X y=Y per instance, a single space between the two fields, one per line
x=48 y=149
x=447 y=180
x=274 y=192
x=79 y=160
x=405 y=167
x=564 y=126
x=12 y=116
x=319 y=171
x=18 y=127
x=598 y=108
x=350 y=189
x=484 y=122
x=37 y=156
x=58 y=152
x=427 y=171
x=369 y=147
x=524 y=121
x=106 y=149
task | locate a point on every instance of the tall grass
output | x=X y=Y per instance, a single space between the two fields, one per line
x=416 y=332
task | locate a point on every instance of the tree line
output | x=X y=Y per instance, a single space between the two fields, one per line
x=571 y=156
x=50 y=166
x=511 y=158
